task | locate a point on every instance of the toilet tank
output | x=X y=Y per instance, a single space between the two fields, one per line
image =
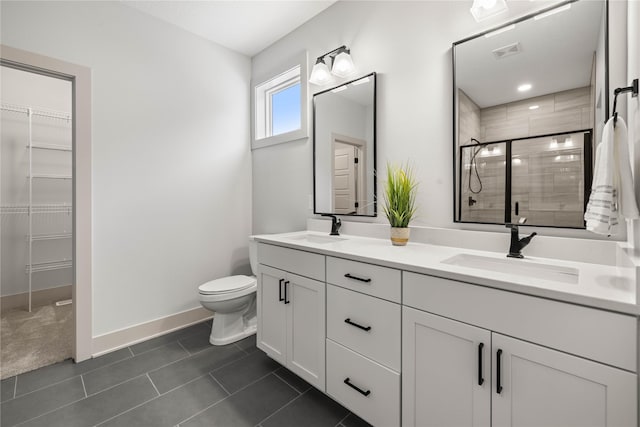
x=253 y=254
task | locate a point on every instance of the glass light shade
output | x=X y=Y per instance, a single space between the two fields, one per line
x=343 y=65
x=483 y=9
x=320 y=75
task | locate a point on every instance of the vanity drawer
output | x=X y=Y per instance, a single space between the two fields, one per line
x=594 y=334
x=381 y=282
x=381 y=405
x=380 y=340
x=292 y=260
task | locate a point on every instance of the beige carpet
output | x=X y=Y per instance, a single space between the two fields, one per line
x=33 y=340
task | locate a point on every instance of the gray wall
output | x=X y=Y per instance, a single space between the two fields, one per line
x=171 y=158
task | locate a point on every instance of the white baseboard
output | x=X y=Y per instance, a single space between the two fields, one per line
x=116 y=340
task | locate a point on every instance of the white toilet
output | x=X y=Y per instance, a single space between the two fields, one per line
x=233 y=300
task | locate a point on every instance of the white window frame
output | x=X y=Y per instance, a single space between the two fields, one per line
x=288 y=74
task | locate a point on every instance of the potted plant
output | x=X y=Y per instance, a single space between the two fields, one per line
x=399 y=201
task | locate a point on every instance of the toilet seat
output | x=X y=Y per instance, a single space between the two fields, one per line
x=227 y=285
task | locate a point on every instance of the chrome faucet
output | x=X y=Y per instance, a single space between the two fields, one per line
x=517 y=244
x=335 y=224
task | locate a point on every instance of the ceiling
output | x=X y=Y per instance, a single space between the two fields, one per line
x=246 y=26
x=556 y=55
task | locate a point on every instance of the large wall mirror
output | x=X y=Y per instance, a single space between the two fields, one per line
x=530 y=101
x=344 y=147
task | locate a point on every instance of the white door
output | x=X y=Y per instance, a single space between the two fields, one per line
x=344 y=179
x=446 y=379
x=272 y=319
x=544 y=387
x=305 y=300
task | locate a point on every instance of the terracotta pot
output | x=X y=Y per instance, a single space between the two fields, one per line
x=400 y=235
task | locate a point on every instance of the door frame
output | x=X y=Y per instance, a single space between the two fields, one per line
x=80 y=78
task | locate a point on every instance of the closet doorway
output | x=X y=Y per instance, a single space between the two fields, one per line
x=45 y=211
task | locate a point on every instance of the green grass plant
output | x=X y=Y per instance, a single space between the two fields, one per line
x=400 y=195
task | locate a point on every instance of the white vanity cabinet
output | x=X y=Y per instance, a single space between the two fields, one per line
x=363 y=339
x=291 y=310
x=468 y=373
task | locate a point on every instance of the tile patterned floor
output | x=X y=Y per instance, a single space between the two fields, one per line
x=177 y=379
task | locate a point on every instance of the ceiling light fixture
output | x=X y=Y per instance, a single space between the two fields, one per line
x=484 y=9
x=341 y=66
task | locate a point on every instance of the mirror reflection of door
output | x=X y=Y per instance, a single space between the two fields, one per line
x=348 y=175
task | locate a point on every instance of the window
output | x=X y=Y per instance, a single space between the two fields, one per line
x=280 y=105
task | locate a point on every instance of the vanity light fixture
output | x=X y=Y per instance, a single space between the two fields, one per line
x=553 y=11
x=484 y=9
x=524 y=87
x=341 y=66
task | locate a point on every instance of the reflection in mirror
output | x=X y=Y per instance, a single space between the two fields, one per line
x=520 y=92
x=344 y=144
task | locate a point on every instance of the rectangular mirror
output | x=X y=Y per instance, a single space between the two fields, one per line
x=530 y=100
x=344 y=149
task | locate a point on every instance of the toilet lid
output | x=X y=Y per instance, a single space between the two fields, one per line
x=227 y=284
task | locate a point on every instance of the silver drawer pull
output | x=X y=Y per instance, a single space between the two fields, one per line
x=356 y=388
x=359 y=279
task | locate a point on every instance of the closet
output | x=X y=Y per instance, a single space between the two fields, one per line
x=36 y=190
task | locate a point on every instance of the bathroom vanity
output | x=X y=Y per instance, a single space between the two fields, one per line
x=438 y=335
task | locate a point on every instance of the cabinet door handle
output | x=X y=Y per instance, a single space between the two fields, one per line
x=356 y=388
x=280 y=298
x=498 y=369
x=286 y=297
x=359 y=279
x=364 y=328
x=480 y=352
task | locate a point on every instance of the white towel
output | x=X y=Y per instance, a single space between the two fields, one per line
x=612 y=192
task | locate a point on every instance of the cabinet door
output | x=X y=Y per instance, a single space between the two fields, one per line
x=446 y=379
x=306 y=329
x=272 y=320
x=544 y=387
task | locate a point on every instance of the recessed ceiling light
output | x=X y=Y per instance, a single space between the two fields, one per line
x=524 y=87
x=534 y=107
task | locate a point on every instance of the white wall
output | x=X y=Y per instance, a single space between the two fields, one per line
x=409 y=45
x=171 y=159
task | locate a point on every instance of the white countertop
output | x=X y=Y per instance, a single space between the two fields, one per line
x=600 y=286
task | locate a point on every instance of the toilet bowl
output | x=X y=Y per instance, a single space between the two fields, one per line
x=233 y=301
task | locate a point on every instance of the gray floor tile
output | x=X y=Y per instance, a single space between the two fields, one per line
x=248 y=344
x=116 y=373
x=245 y=371
x=195 y=366
x=40 y=402
x=173 y=407
x=99 y=407
x=312 y=409
x=168 y=338
x=196 y=342
x=52 y=374
x=247 y=407
x=7 y=387
x=353 y=420
x=293 y=380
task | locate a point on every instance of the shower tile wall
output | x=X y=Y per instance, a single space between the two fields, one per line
x=549 y=190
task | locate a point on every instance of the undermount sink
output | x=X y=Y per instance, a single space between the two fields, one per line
x=314 y=238
x=517 y=267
